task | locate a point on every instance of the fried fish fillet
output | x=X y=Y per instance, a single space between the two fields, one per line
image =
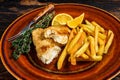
x=58 y=33
x=46 y=42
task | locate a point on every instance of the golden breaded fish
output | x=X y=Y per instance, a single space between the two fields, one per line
x=46 y=42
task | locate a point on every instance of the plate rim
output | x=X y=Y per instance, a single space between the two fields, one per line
x=2 y=59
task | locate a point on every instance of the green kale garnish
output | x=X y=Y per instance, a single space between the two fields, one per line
x=22 y=44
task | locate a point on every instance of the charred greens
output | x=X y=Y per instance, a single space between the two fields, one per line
x=22 y=44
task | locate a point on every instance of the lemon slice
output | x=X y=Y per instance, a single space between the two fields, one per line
x=76 y=21
x=61 y=19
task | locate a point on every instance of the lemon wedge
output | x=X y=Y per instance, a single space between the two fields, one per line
x=76 y=21
x=61 y=19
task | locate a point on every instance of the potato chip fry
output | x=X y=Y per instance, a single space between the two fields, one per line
x=99 y=27
x=82 y=49
x=84 y=56
x=87 y=26
x=92 y=47
x=90 y=24
x=102 y=36
x=73 y=59
x=79 y=43
x=64 y=52
x=101 y=46
x=97 y=58
x=109 y=42
x=74 y=31
x=88 y=52
x=74 y=40
x=77 y=29
x=96 y=38
x=76 y=47
x=72 y=35
x=109 y=33
x=90 y=32
x=62 y=58
x=100 y=41
x=87 y=42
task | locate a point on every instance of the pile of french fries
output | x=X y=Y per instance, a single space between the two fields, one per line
x=87 y=42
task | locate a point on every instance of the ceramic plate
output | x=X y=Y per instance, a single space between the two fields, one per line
x=23 y=68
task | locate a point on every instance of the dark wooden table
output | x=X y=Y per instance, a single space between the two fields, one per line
x=11 y=9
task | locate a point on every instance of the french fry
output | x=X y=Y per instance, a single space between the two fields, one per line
x=101 y=46
x=102 y=36
x=79 y=43
x=87 y=30
x=97 y=58
x=84 y=56
x=109 y=33
x=91 y=32
x=92 y=27
x=96 y=39
x=92 y=47
x=74 y=40
x=64 y=52
x=77 y=29
x=72 y=59
x=76 y=47
x=109 y=42
x=88 y=52
x=87 y=42
x=90 y=24
x=82 y=49
x=74 y=31
x=101 y=29
x=62 y=58
x=87 y=26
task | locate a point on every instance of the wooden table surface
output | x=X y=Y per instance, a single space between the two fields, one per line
x=10 y=10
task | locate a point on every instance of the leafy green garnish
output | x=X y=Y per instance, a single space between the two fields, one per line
x=22 y=44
